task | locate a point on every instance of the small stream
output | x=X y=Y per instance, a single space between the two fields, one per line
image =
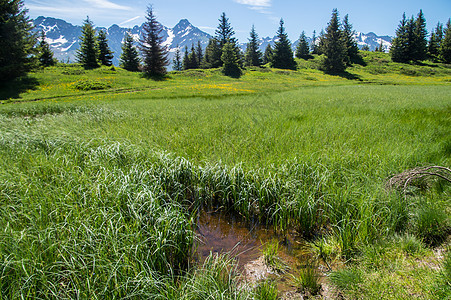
x=218 y=232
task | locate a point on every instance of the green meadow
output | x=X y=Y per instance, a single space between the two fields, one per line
x=103 y=172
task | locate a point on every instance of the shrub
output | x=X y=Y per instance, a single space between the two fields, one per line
x=89 y=85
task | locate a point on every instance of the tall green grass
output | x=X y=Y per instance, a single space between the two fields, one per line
x=98 y=196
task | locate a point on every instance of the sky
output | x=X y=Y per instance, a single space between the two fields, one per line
x=379 y=16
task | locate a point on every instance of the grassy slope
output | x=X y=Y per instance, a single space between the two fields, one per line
x=328 y=142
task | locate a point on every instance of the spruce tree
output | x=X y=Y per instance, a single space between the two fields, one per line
x=303 y=49
x=267 y=56
x=199 y=54
x=212 y=57
x=88 y=52
x=129 y=59
x=320 y=42
x=334 y=46
x=445 y=47
x=155 y=54
x=45 y=54
x=253 y=56
x=419 y=42
x=192 y=59
x=16 y=41
x=186 y=61
x=177 y=61
x=352 y=50
x=399 y=50
x=314 y=46
x=224 y=34
x=283 y=57
x=435 y=42
x=105 y=53
x=231 y=64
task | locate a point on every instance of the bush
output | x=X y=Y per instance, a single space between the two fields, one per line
x=89 y=85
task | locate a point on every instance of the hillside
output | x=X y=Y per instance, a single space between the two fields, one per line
x=63 y=37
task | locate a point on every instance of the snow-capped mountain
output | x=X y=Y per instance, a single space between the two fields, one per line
x=63 y=37
x=373 y=41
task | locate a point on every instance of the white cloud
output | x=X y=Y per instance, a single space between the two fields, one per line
x=255 y=3
x=105 y=4
x=261 y=6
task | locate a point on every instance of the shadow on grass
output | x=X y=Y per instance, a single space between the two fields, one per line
x=345 y=75
x=13 y=88
x=156 y=77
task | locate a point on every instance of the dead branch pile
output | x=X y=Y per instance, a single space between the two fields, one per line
x=421 y=177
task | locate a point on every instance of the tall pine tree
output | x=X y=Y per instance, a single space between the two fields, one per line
x=352 y=50
x=105 y=53
x=224 y=34
x=419 y=42
x=212 y=57
x=334 y=46
x=283 y=57
x=400 y=47
x=88 y=52
x=17 y=42
x=177 y=64
x=435 y=42
x=267 y=56
x=445 y=47
x=199 y=54
x=130 y=57
x=253 y=56
x=231 y=64
x=45 y=55
x=186 y=61
x=155 y=54
x=303 y=49
x=314 y=46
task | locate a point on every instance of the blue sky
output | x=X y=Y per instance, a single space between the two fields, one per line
x=379 y=16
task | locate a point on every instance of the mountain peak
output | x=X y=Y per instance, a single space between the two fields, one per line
x=183 y=23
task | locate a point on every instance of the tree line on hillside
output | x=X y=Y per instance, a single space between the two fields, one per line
x=411 y=44
x=22 y=50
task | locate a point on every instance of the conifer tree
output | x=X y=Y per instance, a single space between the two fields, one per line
x=224 y=34
x=419 y=42
x=45 y=54
x=379 y=48
x=303 y=49
x=314 y=46
x=320 y=42
x=186 y=62
x=352 y=50
x=88 y=52
x=231 y=64
x=192 y=58
x=334 y=46
x=16 y=41
x=445 y=47
x=253 y=56
x=129 y=59
x=365 y=48
x=199 y=54
x=105 y=53
x=267 y=56
x=283 y=57
x=155 y=54
x=400 y=48
x=435 y=42
x=177 y=61
x=212 y=58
